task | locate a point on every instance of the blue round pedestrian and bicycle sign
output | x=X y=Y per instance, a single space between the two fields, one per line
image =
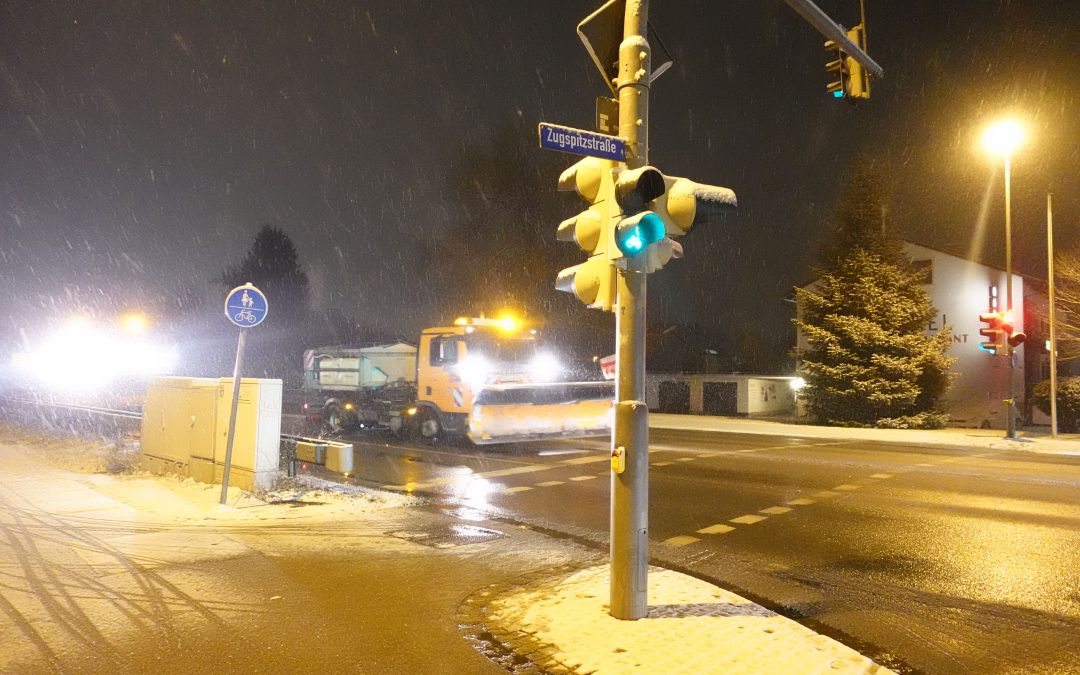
x=246 y=306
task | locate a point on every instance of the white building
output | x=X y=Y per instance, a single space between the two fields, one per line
x=960 y=291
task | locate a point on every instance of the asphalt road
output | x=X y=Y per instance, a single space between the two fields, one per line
x=931 y=560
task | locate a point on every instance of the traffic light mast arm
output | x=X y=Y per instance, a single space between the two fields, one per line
x=835 y=32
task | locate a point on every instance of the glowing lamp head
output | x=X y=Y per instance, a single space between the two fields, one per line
x=1002 y=138
x=134 y=323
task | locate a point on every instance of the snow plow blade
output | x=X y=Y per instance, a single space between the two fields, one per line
x=506 y=413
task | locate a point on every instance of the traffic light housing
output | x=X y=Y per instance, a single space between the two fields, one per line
x=1007 y=327
x=673 y=206
x=848 y=80
x=593 y=281
x=995 y=342
x=638 y=228
x=632 y=214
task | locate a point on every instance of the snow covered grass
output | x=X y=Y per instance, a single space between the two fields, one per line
x=73 y=453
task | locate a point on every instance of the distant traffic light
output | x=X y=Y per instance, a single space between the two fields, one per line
x=594 y=281
x=1008 y=326
x=995 y=342
x=847 y=78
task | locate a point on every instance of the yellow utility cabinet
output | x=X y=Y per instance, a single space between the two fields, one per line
x=186 y=424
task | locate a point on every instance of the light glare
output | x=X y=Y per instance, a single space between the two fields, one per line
x=1002 y=137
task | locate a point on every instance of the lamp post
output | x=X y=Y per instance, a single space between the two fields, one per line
x=1002 y=138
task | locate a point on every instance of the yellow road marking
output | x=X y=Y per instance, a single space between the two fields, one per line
x=747 y=520
x=847 y=487
x=801 y=502
x=882 y=475
x=686 y=459
x=775 y=510
x=681 y=540
x=529 y=468
x=716 y=529
x=585 y=460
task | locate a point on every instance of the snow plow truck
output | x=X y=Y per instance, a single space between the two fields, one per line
x=489 y=380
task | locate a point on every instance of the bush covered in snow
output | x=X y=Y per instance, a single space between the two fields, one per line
x=1068 y=402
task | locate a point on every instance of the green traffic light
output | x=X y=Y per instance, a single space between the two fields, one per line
x=635 y=234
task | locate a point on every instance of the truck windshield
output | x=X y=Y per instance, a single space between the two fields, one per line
x=502 y=351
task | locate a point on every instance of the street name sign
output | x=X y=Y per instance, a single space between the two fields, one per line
x=580 y=142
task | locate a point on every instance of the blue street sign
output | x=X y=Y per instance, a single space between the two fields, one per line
x=578 y=142
x=246 y=306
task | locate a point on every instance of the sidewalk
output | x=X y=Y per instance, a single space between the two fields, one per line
x=986 y=439
x=136 y=573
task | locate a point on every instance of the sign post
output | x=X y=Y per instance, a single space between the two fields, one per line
x=245 y=307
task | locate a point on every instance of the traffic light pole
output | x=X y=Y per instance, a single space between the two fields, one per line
x=630 y=489
x=1009 y=402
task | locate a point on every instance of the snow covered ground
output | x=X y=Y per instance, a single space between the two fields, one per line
x=987 y=439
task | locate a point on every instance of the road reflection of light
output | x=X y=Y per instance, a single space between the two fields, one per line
x=472 y=490
x=1000 y=554
x=470 y=514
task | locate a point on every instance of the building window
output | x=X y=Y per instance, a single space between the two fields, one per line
x=925 y=270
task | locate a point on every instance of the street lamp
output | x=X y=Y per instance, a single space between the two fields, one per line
x=1002 y=138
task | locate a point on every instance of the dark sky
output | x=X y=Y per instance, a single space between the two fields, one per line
x=143 y=144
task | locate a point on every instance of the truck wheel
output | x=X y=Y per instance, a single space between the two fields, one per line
x=428 y=425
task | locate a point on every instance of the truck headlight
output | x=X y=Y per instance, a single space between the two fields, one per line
x=474 y=370
x=545 y=368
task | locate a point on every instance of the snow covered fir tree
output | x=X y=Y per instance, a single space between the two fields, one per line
x=864 y=353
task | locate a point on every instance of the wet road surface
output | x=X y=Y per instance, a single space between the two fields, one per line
x=925 y=559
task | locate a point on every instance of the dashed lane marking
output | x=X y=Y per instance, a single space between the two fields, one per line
x=748 y=520
x=550 y=483
x=583 y=478
x=825 y=494
x=847 y=487
x=661 y=463
x=681 y=540
x=686 y=459
x=716 y=529
x=775 y=510
x=882 y=475
x=801 y=502
x=924 y=464
x=585 y=460
x=528 y=468
x=523 y=488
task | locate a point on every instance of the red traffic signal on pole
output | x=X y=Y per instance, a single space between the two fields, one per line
x=1008 y=326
